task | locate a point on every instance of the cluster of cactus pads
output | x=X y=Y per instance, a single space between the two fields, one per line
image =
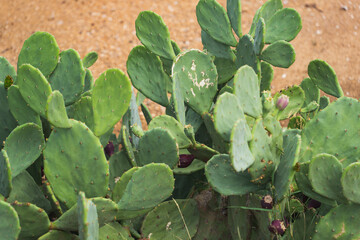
x=218 y=165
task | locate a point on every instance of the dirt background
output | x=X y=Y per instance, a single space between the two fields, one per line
x=331 y=31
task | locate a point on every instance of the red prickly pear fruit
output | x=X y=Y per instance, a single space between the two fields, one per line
x=109 y=149
x=282 y=102
x=313 y=204
x=277 y=227
x=185 y=160
x=267 y=202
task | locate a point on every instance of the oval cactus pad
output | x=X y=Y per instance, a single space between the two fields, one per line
x=10 y=225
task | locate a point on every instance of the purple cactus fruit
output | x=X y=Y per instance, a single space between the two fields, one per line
x=313 y=204
x=109 y=149
x=185 y=160
x=282 y=102
x=267 y=202
x=277 y=227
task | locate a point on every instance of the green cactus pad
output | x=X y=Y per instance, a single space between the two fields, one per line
x=267 y=75
x=26 y=190
x=233 y=8
x=23 y=146
x=312 y=93
x=154 y=34
x=218 y=142
x=337 y=121
x=237 y=217
x=20 y=109
x=285 y=24
x=223 y=178
x=241 y=157
x=149 y=186
x=279 y=54
x=259 y=36
x=58 y=235
x=114 y=231
x=82 y=111
x=286 y=170
x=56 y=112
x=296 y=100
x=216 y=48
x=226 y=112
x=7 y=121
x=34 y=221
x=178 y=100
x=119 y=163
x=174 y=127
x=90 y=59
x=74 y=161
x=106 y=212
x=172 y=220
x=324 y=77
x=127 y=145
x=5 y=175
x=6 y=69
x=110 y=99
x=193 y=119
x=121 y=184
x=324 y=102
x=87 y=218
x=245 y=53
x=197 y=75
x=88 y=81
x=9 y=222
x=69 y=76
x=41 y=51
x=310 y=219
x=214 y=20
x=340 y=223
x=246 y=89
x=167 y=63
x=324 y=174
x=226 y=69
x=149 y=79
x=350 y=182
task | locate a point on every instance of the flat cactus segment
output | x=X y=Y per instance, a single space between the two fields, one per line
x=259 y=36
x=197 y=75
x=216 y=48
x=149 y=79
x=5 y=175
x=246 y=89
x=87 y=218
x=286 y=170
x=325 y=173
x=149 y=186
x=7 y=121
x=111 y=98
x=174 y=127
x=88 y=81
x=226 y=69
x=154 y=34
x=6 y=69
x=34 y=221
x=178 y=100
x=82 y=111
x=41 y=51
x=56 y=112
x=324 y=102
x=9 y=222
x=167 y=63
x=285 y=24
x=324 y=77
x=119 y=163
x=340 y=223
x=233 y=8
x=350 y=182
x=214 y=20
x=172 y=220
x=20 y=109
x=74 y=161
x=237 y=217
x=279 y=54
x=90 y=59
x=23 y=146
x=267 y=75
x=225 y=180
x=337 y=121
x=245 y=53
x=227 y=111
x=114 y=231
x=26 y=190
x=219 y=143
x=34 y=88
x=58 y=235
x=312 y=92
x=241 y=157
x=69 y=76
x=121 y=183
x=296 y=100
x=127 y=145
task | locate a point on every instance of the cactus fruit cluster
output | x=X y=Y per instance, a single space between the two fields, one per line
x=218 y=165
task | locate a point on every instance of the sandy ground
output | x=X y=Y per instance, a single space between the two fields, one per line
x=331 y=31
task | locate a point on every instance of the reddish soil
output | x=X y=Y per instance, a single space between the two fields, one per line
x=331 y=31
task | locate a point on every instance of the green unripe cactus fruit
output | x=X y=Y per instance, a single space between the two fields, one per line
x=90 y=59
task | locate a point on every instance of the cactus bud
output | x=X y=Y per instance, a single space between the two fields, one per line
x=277 y=227
x=109 y=149
x=185 y=160
x=282 y=102
x=267 y=202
